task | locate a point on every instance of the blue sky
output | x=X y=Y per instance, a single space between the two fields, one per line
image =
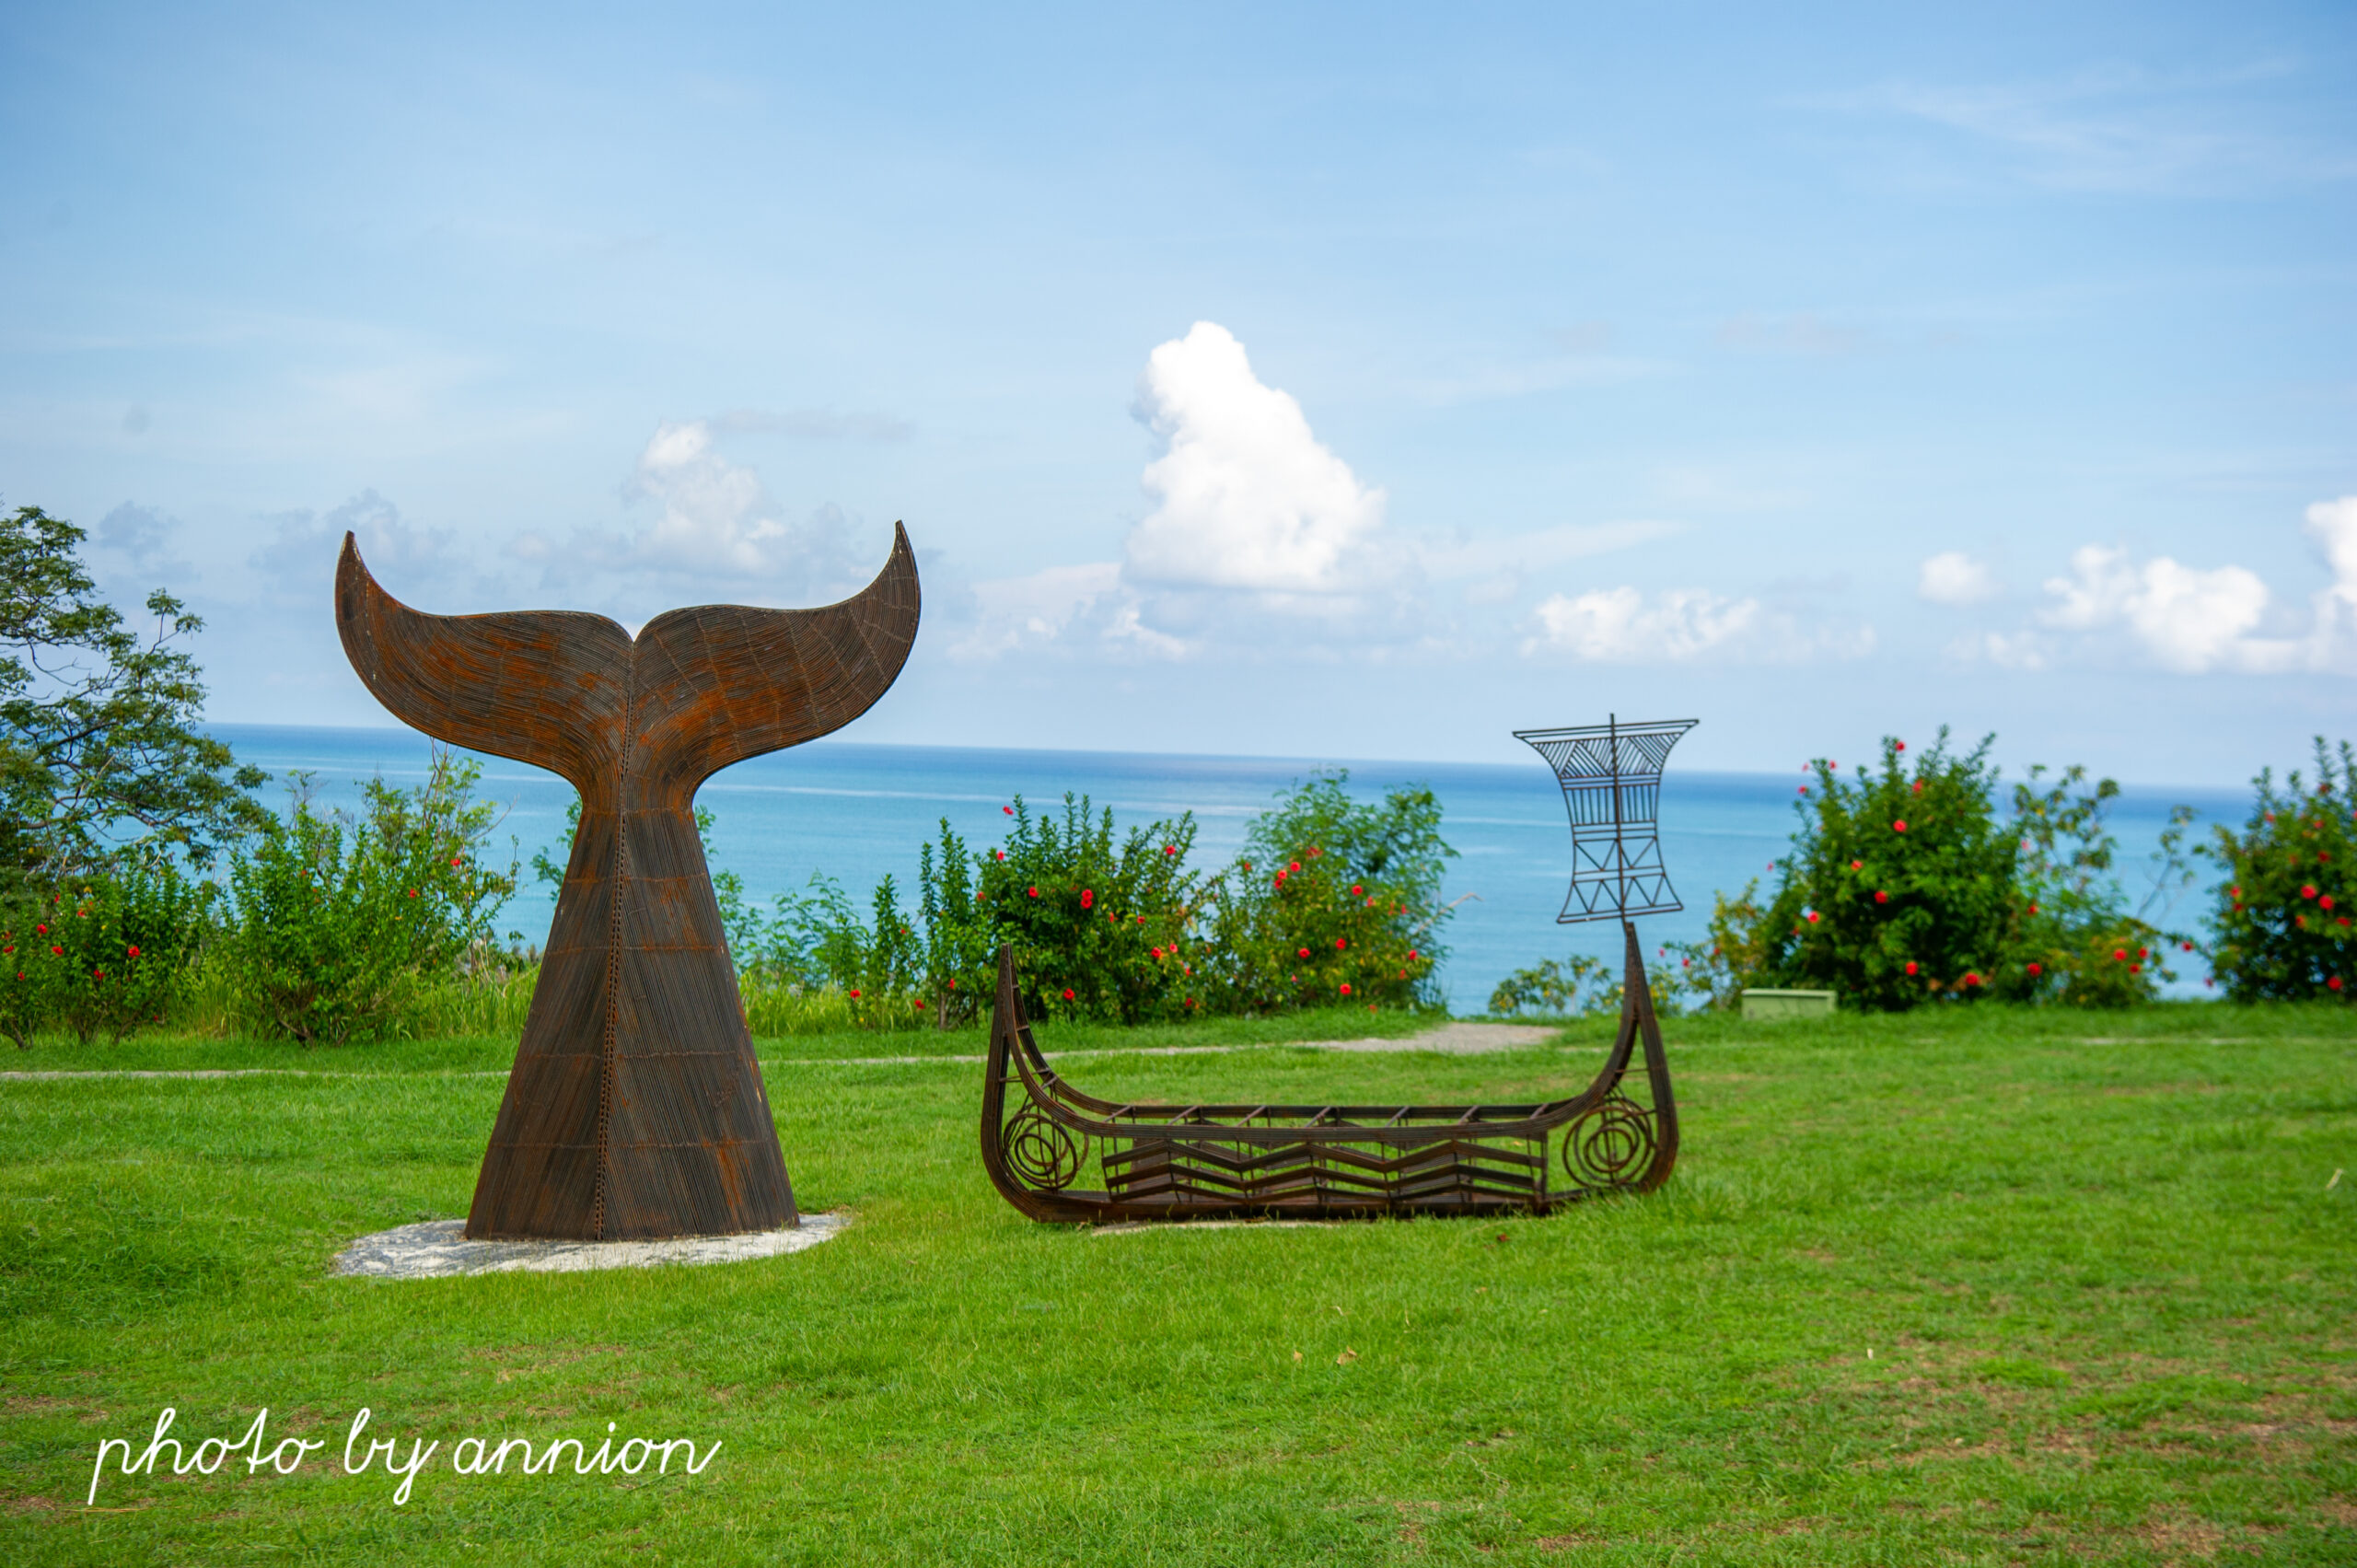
x=1342 y=382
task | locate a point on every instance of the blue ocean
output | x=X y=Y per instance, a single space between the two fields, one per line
x=854 y=812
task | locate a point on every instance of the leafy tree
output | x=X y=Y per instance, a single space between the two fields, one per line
x=97 y=740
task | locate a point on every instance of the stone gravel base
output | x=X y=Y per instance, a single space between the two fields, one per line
x=439 y=1248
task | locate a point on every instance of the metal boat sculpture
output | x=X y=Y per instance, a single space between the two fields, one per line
x=1042 y=1138
x=636 y=1109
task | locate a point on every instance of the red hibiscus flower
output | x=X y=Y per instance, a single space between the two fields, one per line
x=1899 y=827
x=1911 y=966
x=1033 y=891
x=1088 y=898
x=1346 y=988
x=1340 y=943
x=1881 y=897
x=2035 y=971
x=1067 y=993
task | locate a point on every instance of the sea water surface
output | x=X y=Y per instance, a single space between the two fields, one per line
x=854 y=812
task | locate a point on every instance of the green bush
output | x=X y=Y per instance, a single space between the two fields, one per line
x=341 y=922
x=1332 y=901
x=2280 y=925
x=104 y=956
x=1903 y=884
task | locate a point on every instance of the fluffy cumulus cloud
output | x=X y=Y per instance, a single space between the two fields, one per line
x=716 y=526
x=1954 y=578
x=2193 y=619
x=1246 y=495
x=1260 y=536
x=2187 y=619
x=1678 y=627
x=2333 y=526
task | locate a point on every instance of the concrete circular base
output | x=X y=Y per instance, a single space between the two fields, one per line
x=439 y=1248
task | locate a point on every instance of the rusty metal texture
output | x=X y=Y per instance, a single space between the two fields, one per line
x=1041 y=1137
x=636 y=1109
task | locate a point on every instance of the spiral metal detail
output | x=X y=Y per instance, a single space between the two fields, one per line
x=1611 y=1145
x=1043 y=1153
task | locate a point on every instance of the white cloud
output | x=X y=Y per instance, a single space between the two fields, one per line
x=415 y=564
x=2189 y=619
x=1620 y=626
x=1682 y=625
x=1263 y=538
x=2186 y=619
x=718 y=526
x=1013 y=613
x=1954 y=578
x=2333 y=525
x=1247 y=497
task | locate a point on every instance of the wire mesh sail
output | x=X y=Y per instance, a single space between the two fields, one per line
x=1611 y=778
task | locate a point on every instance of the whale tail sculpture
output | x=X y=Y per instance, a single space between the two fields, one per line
x=636 y=1109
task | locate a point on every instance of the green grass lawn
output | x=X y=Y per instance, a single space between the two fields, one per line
x=1970 y=1287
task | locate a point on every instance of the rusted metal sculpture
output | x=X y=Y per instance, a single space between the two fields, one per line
x=1041 y=1137
x=636 y=1109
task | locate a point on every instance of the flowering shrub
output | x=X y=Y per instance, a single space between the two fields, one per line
x=1332 y=899
x=1903 y=885
x=1098 y=931
x=2280 y=921
x=103 y=956
x=337 y=919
